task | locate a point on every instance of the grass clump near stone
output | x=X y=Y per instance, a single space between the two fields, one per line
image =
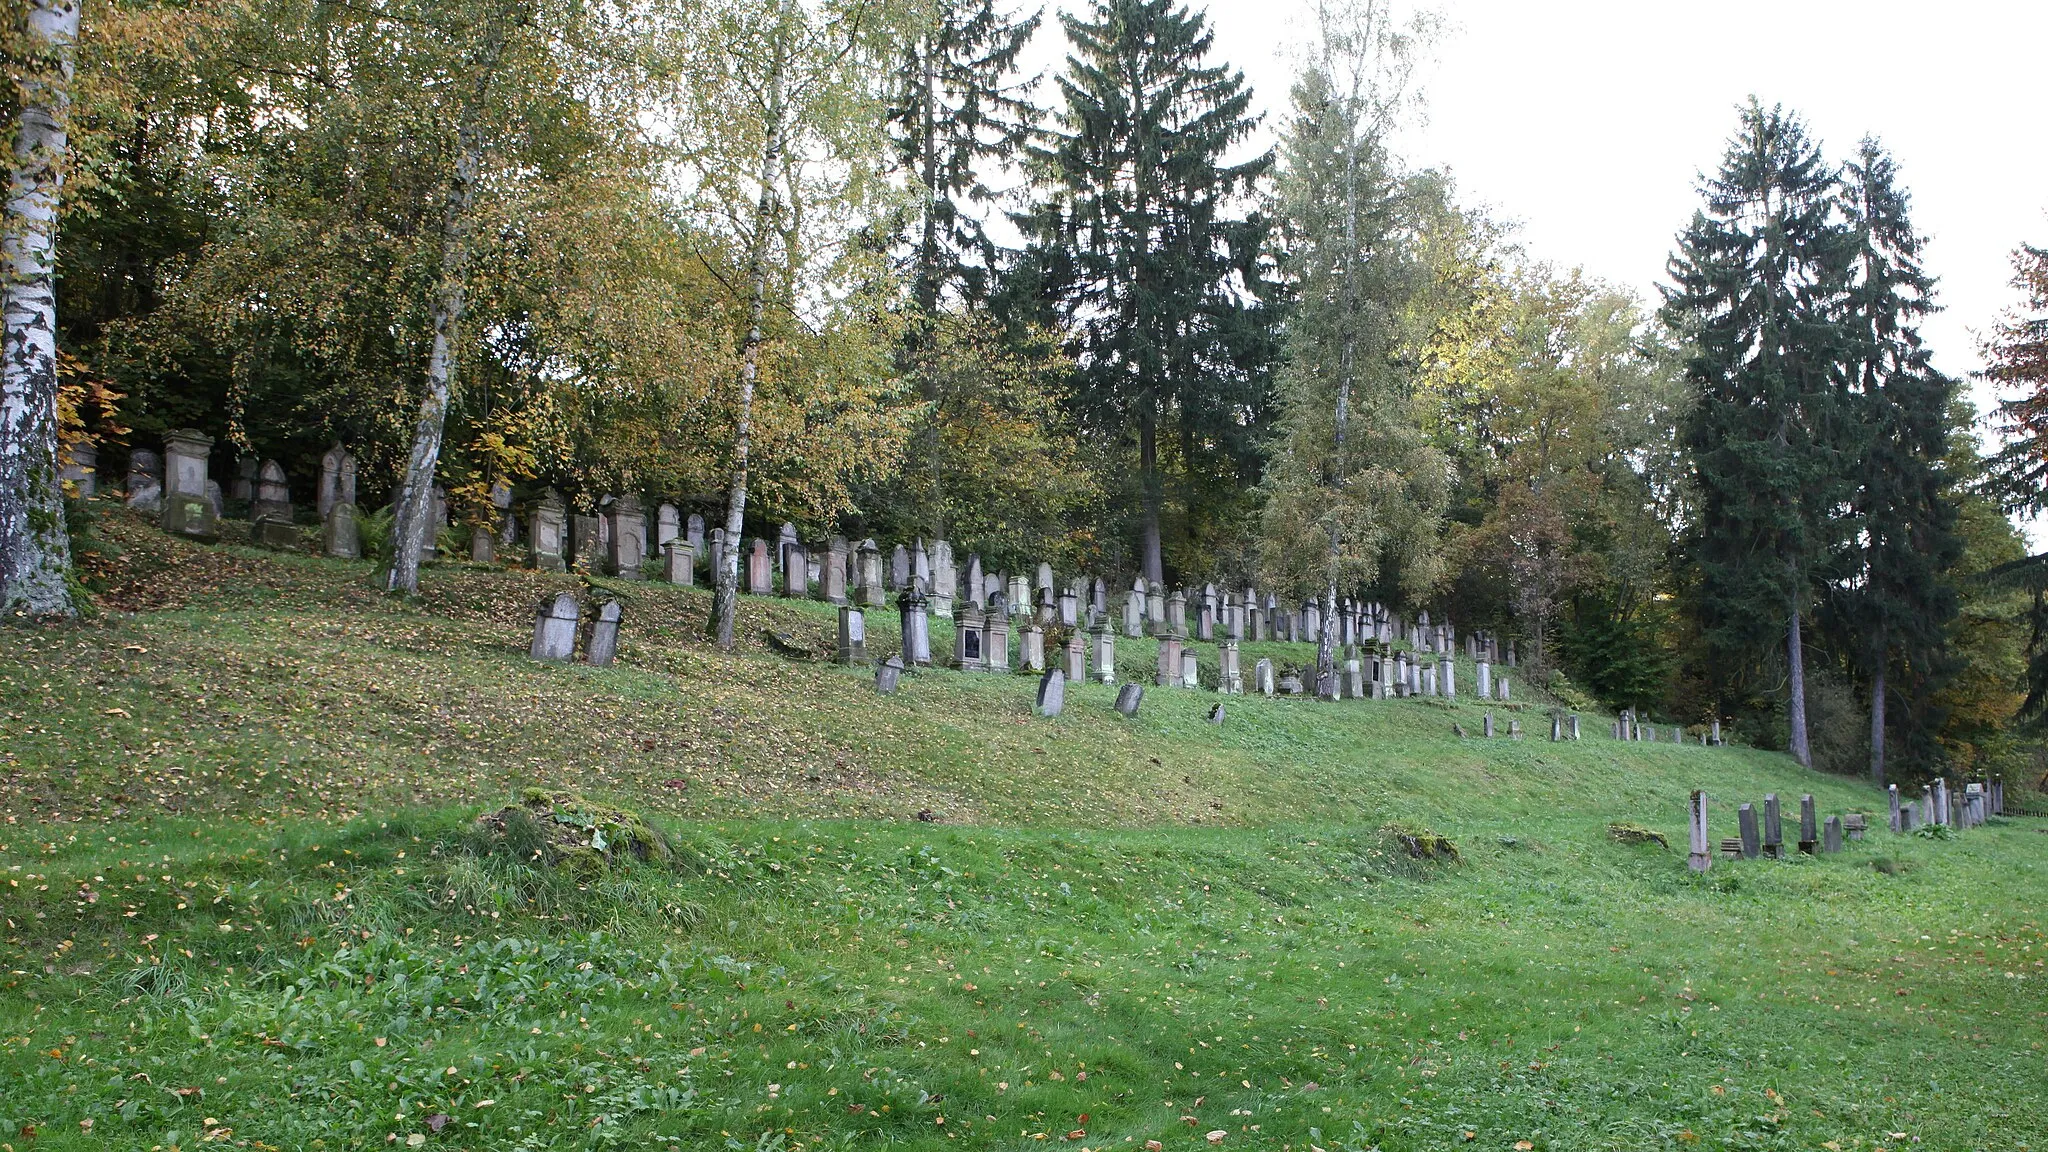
x=1420 y=842
x=565 y=829
x=1625 y=832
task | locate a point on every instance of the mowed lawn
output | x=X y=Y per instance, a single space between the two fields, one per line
x=246 y=903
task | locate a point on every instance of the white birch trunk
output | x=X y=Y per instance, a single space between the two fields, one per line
x=35 y=551
x=725 y=596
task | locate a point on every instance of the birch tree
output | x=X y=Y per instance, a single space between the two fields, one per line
x=35 y=552
x=778 y=104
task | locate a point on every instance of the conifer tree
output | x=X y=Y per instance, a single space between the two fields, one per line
x=2017 y=355
x=1758 y=278
x=1901 y=601
x=955 y=108
x=1143 y=247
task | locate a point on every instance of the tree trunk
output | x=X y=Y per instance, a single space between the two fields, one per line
x=1148 y=469
x=414 y=517
x=1326 y=647
x=726 y=594
x=35 y=551
x=1795 y=656
x=1877 y=725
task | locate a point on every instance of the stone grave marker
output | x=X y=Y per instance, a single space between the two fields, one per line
x=911 y=607
x=1074 y=658
x=1831 y=835
x=1216 y=713
x=145 y=481
x=1052 y=692
x=1891 y=795
x=970 y=644
x=1262 y=676
x=997 y=623
x=602 y=642
x=760 y=569
x=188 y=511
x=1698 y=857
x=1774 y=833
x=1031 y=647
x=482 y=545
x=1745 y=819
x=1486 y=725
x=1128 y=698
x=853 y=637
x=554 y=628
x=339 y=535
x=1290 y=685
x=887 y=675
x=627 y=537
x=1809 y=826
x=335 y=487
x=796 y=572
x=678 y=566
x=868 y=567
x=1514 y=728
x=544 y=533
x=668 y=524
x=1103 y=670
x=584 y=544
x=1190 y=670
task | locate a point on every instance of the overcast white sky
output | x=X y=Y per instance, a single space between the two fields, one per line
x=1588 y=121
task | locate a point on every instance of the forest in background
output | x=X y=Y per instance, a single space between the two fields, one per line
x=748 y=256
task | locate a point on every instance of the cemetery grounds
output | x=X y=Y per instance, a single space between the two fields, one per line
x=247 y=902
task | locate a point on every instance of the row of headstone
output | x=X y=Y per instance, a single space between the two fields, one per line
x=1628 y=726
x=1765 y=837
x=563 y=630
x=1977 y=802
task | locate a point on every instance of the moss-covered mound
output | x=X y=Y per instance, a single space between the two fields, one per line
x=564 y=828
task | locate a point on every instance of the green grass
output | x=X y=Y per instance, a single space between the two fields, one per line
x=244 y=901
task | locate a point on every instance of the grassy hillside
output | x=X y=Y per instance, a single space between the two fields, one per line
x=246 y=899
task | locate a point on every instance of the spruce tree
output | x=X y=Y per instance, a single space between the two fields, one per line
x=955 y=108
x=1900 y=601
x=2017 y=358
x=1142 y=247
x=1759 y=275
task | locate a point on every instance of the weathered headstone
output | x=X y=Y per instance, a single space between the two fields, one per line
x=78 y=469
x=242 y=489
x=1168 y=673
x=1514 y=728
x=945 y=579
x=888 y=674
x=544 y=534
x=628 y=537
x=1774 y=832
x=1070 y=606
x=584 y=545
x=1809 y=825
x=1128 y=698
x=187 y=510
x=1052 y=692
x=1074 y=657
x=1262 y=677
x=1486 y=725
x=714 y=572
x=868 y=564
x=1831 y=836
x=1216 y=713
x=1908 y=816
x=1500 y=688
x=760 y=569
x=970 y=642
x=998 y=625
x=796 y=571
x=911 y=609
x=1190 y=669
x=1229 y=672
x=1698 y=857
x=501 y=503
x=899 y=567
x=1891 y=795
x=482 y=545
x=1485 y=674
x=1103 y=670
x=678 y=566
x=1575 y=725
x=145 y=481
x=601 y=643
x=1134 y=609
x=339 y=536
x=1745 y=820
x=832 y=572
x=1556 y=727
x=853 y=636
x=273 y=498
x=1031 y=647
x=693 y=531
x=554 y=628
x=668 y=524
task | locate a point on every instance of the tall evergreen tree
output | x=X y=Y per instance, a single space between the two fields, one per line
x=1758 y=277
x=1143 y=247
x=955 y=108
x=1901 y=602
x=2017 y=355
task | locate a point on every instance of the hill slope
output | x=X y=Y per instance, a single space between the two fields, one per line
x=245 y=893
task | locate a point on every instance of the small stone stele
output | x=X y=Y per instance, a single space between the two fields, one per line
x=281 y=535
x=602 y=642
x=554 y=628
x=1128 y=698
x=339 y=536
x=888 y=674
x=1831 y=836
x=1216 y=713
x=1290 y=685
x=1745 y=819
x=1052 y=692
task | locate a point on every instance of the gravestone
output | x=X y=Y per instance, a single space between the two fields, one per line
x=145 y=481
x=921 y=564
x=1052 y=692
x=1155 y=607
x=1447 y=672
x=628 y=542
x=1831 y=836
x=971 y=589
x=1190 y=670
x=888 y=674
x=601 y=643
x=1290 y=685
x=868 y=567
x=678 y=566
x=1575 y=726
x=714 y=573
x=1074 y=658
x=1698 y=857
x=1809 y=826
x=1774 y=832
x=584 y=544
x=945 y=579
x=693 y=531
x=1908 y=816
x=796 y=572
x=1500 y=688
x=1716 y=733
x=1103 y=670
x=1262 y=677
x=1070 y=606
x=1556 y=727
x=1168 y=672
x=1205 y=614
x=337 y=480
x=1229 y=672
x=187 y=510
x=899 y=568
x=997 y=620
x=1128 y=698
x=832 y=572
x=544 y=533
x=1486 y=725
x=668 y=524
x=272 y=495
x=1098 y=600
x=481 y=545
x=1485 y=674
x=1031 y=647
x=554 y=628
x=339 y=535
x=970 y=643
x=1745 y=820
x=1216 y=713
x=1134 y=609
x=242 y=489
x=853 y=637
x=911 y=609
x=760 y=570
x=1514 y=728
x=78 y=467
x=501 y=501
x=1891 y=795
